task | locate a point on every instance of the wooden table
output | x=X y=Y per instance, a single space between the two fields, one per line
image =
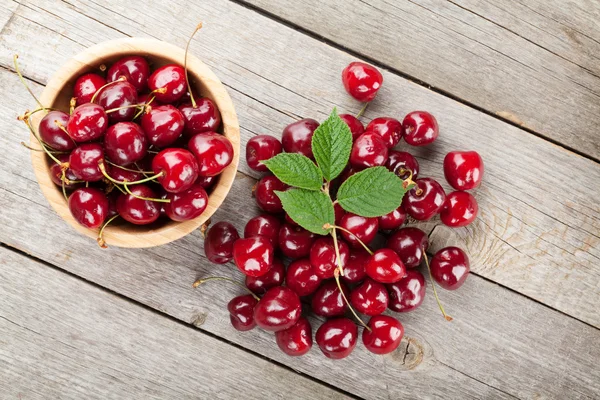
x=519 y=81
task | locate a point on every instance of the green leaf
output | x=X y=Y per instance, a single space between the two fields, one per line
x=331 y=145
x=371 y=193
x=309 y=209
x=295 y=170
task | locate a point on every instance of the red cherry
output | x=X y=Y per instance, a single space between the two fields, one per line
x=301 y=278
x=294 y=241
x=51 y=133
x=369 y=298
x=273 y=277
x=134 y=68
x=186 y=205
x=213 y=152
x=385 y=334
x=323 y=256
x=420 y=128
x=356 y=127
x=84 y=160
x=138 y=211
x=338 y=212
x=218 y=243
x=328 y=301
x=162 y=124
x=241 y=312
x=264 y=194
x=354 y=271
x=178 y=167
x=207 y=182
x=408 y=293
x=402 y=164
x=119 y=94
x=171 y=78
x=389 y=129
x=259 y=148
x=122 y=175
x=463 y=169
x=86 y=86
x=264 y=225
x=205 y=117
x=87 y=122
x=89 y=207
x=409 y=243
x=424 y=200
x=56 y=173
x=362 y=228
x=125 y=143
x=460 y=209
x=297 y=137
x=393 y=220
x=369 y=150
x=450 y=267
x=279 y=309
x=296 y=340
x=385 y=266
x=253 y=256
x=337 y=337
x=362 y=81
x=112 y=204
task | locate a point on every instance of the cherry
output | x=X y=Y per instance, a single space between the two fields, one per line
x=294 y=241
x=409 y=243
x=253 y=256
x=112 y=204
x=338 y=212
x=117 y=95
x=218 y=242
x=213 y=152
x=264 y=225
x=389 y=129
x=460 y=209
x=187 y=204
x=408 y=293
x=323 y=256
x=450 y=267
x=362 y=81
x=241 y=312
x=301 y=278
x=89 y=207
x=205 y=117
x=327 y=301
x=424 y=200
x=86 y=86
x=385 y=266
x=134 y=68
x=273 y=277
x=138 y=211
x=297 y=137
x=279 y=309
x=178 y=167
x=83 y=162
x=369 y=298
x=347 y=173
x=125 y=143
x=171 y=79
x=384 y=335
x=264 y=194
x=420 y=128
x=369 y=150
x=123 y=175
x=56 y=173
x=207 y=182
x=402 y=164
x=337 y=337
x=463 y=169
x=87 y=122
x=297 y=339
x=362 y=229
x=162 y=124
x=259 y=148
x=354 y=271
x=393 y=220
x=356 y=127
x=51 y=133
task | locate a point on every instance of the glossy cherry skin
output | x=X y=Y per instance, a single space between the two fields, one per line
x=218 y=242
x=408 y=293
x=86 y=86
x=125 y=143
x=56 y=173
x=162 y=124
x=296 y=340
x=369 y=298
x=241 y=312
x=89 y=207
x=213 y=152
x=393 y=220
x=362 y=81
x=323 y=256
x=253 y=256
x=138 y=211
x=170 y=77
x=355 y=271
x=294 y=241
x=178 y=167
x=259 y=148
x=278 y=309
x=402 y=164
x=84 y=160
x=297 y=137
x=123 y=175
x=356 y=127
x=337 y=337
x=264 y=225
x=361 y=228
x=52 y=134
x=409 y=243
x=389 y=129
x=463 y=169
x=134 y=68
x=385 y=334
x=460 y=209
x=420 y=128
x=186 y=205
x=327 y=301
x=119 y=94
x=205 y=117
x=264 y=194
x=424 y=200
x=274 y=277
x=207 y=182
x=450 y=267
x=369 y=150
x=301 y=278
x=88 y=122
x=385 y=266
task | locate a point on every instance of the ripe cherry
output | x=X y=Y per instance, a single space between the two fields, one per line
x=241 y=312
x=162 y=124
x=218 y=242
x=450 y=267
x=355 y=271
x=125 y=143
x=369 y=298
x=424 y=200
x=369 y=150
x=402 y=164
x=385 y=266
x=460 y=209
x=134 y=68
x=205 y=117
x=170 y=78
x=56 y=173
x=389 y=129
x=207 y=182
x=178 y=167
x=337 y=337
x=273 y=277
x=328 y=301
x=51 y=133
x=278 y=309
x=89 y=207
x=84 y=160
x=420 y=128
x=264 y=194
x=338 y=212
x=187 y=204
x=362 y=81
x=384 y=336
x=393 y=220
x=117 y=95
x=87 y=122
x=409 y=243
x=296 y=340
x=323 y=256
x=253 y=256
x=138 y=211
x=294 y=241
x=86 y=86
x=259 y=148
x=356 y=127
x=361 y=228
x=297 y=137
x=123 y=175
x=463 y=169
x=213 y=152
x=264 y=225
x=408 y=293
x=301 y=278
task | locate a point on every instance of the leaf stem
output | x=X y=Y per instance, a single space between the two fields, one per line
x=223 y=278
x=446 y=316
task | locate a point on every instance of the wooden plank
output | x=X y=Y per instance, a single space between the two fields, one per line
x=64 y=338
x=534 y=63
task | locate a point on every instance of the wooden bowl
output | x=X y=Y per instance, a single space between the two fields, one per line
x=57 y=94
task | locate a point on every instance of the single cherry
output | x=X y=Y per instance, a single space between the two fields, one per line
x=273 y=277
x=125 y=143
x=123 y=175
x=323 y=256
x=264 y=194
x=87 y=122
x=369 y=150
x=420 y=128
x=301 y=278
x=463 y=169
x=119 y=95
x=253 y=256
x=264 y=225
x=134 y=68
x=450 y=267
x=207 y=182
x=86 y=86
x=294 y=241
x=362 y=229
x=389 y=129
x=259 y=148
x=460 y=209
x=356 y=127
x=178 y=167
x=424 y=200
x=205 y=117
x=56 y=173
x=213 y=152
x=409 y=243
x=89 y=207
x=171 y=80
x=337 y=337
x=218 y=242
x=370 y=297
x=52 y=131
x=328 y=301
x=402 y=164
x=385 y=266
x=162 y=124
x=84 y=160
x=393 y=220
x=297 y=339
x=355 y=271
x=278 y=309
x=241 y=312
x=187 y=204
x=408 y=293
x=362 y=81
x=384 y=335
x=297 y=137
x=139 y=211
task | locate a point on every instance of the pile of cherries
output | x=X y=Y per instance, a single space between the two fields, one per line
x=372 y=281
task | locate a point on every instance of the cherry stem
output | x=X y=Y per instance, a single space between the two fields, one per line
x=72 y=104
x=100 y=238
x=144 y=198
x=329 y=226
x=63 y=178
x=446 y=316
x=128 y=169
x=337 y=251
x=204 y=228
x=113 y=180
x=362 y=110
x=42 y=150
x=337 y=280
x=125 y=107
x=121 y=79
x=187 y=46
x=24 y=82
x=223 y=278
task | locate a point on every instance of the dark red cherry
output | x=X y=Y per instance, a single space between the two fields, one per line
x=389 y=129
x=337 y=337
x=134 y=68
x=460 y=209
x=253 y=256
x=409 y=243
x=296 y=340
x=241 y=312
x=273 y=277
x=370 y=297
x=356 y=127
x=463 y=169
x=51 y=133
x=362 y=81
x=162 y=124
x=347 y=173
x=259 y=148
x=424 y=200
x=56 y=173
x=278 y=309
x=84 y=160
x=187 y=204
x=125 y=143
x=138 y=211
x=385 y=266
x=301 y=278
x=297 y=137
x=294 y=241
x=264 y=194
x=408 y=293
x=361 y=228
x=328 y=301
x=323 y=256
x=354 y=271
x=264 y=225
x=218 y=242
x=369 y=150
x=384 y=335
x=171 y=78
x=213 y=152
x=112 y=203
x=88 y=122
x=86 y=86
x=119 y=94
x=393 y=220
x=402 y=164
x=205 y=117
x=450 y=267
x=178 y=167
x=207 y=182
x=338 y=212
x=289 y=220
x=420 y=128
x=89 y=207
x=123 y=175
